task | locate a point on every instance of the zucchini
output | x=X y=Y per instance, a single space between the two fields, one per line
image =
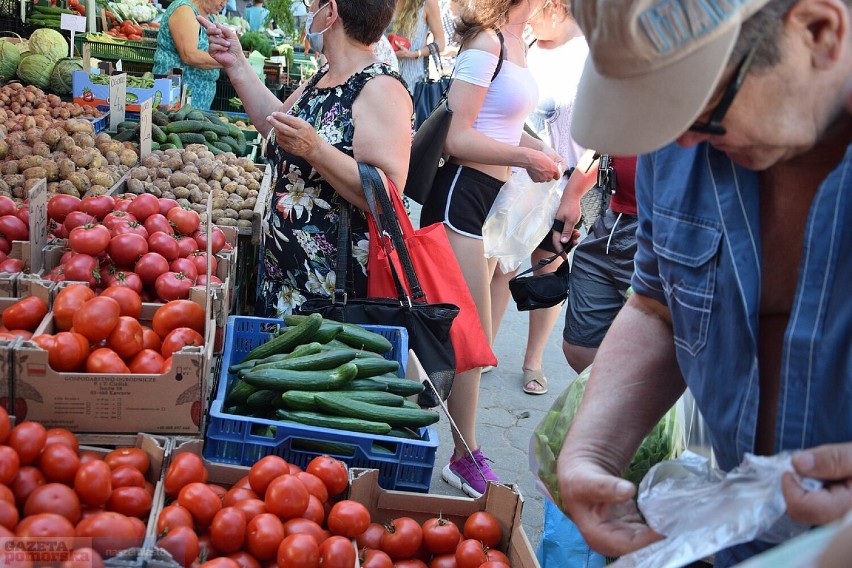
x=299 y=351
x=157 y=134
x=190 y=137
x=360 y=338
x=264 y=399
x=344 y=406
x=335 y=422
x=316 y=362
x=286 y=342
x=299 y=400
x=239 y=393
x=173 y=138
x=367 y=385
x=284 y=379
x=372 y=366
x=398 y=385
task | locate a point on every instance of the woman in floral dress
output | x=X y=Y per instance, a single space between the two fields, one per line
x=354 y=108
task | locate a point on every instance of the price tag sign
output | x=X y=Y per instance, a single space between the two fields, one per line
x=117 y=99
x=38 y=224
x=73 y=24
x=118 y=65
x=145 y=127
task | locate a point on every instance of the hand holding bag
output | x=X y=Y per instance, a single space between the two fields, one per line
x=542 y=291
x=429 y=92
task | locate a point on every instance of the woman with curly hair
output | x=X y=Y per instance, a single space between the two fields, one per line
x=491 y=96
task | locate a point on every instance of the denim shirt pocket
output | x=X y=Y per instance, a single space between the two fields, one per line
x=688 y=249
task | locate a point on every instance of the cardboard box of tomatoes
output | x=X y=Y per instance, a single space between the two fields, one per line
x=504 y=502
x=173 y=402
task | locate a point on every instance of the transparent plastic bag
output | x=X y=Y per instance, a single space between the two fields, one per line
x=702 y=510
x=520 y=218
x=664 y=442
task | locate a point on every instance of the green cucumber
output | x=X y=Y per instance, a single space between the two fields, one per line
x=195 y=114
x=409 y=404
x=381 y=398
x=372 y=366
x=406 y=433
x=190 y=137
x=264 y=399
x=127 y=135
x=210 y=136
x=157 y=134
x=239 y=393
x=223 y=147
x=367 y=385
x=398 y=385
x=230 y=141
x=286 y=342
x=299 y=351
x=180 y=115
x=335 y=422
x=159 y=118
x=316 y=362
x=173 y=138
x=283 y=379
x=360 y=338
x=166 y=146
x=127 y=125
x=345 y=406
x=299 y=400
x=328 y=329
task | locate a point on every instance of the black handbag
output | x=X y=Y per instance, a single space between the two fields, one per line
x=428 y=325
x=542 y=291
x=427 y=147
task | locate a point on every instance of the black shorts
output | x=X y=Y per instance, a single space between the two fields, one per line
x=601 y=269
x=461 y=198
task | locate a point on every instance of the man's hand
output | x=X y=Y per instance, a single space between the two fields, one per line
x=294 y=135
x=831 y=464
x=569 y=213
x=602 y=507
x=225 y=46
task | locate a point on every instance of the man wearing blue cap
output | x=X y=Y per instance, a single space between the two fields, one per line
x=744 y=194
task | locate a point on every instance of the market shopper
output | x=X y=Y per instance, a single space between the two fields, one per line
x=490 y=98
x=349 y=111
x=416 y=20
x=257 y=16
x=182 y=42
x=742 y=267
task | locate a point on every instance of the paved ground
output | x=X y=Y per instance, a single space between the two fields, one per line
x=507 y=416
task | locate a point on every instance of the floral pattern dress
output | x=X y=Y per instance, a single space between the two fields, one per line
x=299 y=244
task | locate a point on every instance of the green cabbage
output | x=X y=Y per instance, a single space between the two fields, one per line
x=35 y=69
x=49 y=43
x=60 y=78
x=9 y=59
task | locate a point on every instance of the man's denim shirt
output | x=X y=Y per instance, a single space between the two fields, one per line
x=699 y=254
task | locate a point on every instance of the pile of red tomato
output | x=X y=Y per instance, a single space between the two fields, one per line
x=149 y=244
x=281 y=515
x=54 y=496
x=22 y=318
x=14 y=226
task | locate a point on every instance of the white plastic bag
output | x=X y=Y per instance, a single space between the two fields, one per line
x=701 y=509
x=520 y=218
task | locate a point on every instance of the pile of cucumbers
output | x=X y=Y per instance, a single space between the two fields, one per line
x=189 y=125
x=324 y=373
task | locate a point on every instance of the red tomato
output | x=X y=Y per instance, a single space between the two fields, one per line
x=54 y=498
x=144 y=206
x=7 y=206
x=158 y=222
x=69 y=299
x=245 y=560
x=23 y=213
x=286 y=497
x=440 y=535
x=9 y=515
x=483 y=527
x=314 y=484
x=180 y=313
x=182 y=544
x=375 y=559
x=76 y=219
x=337 y=552
x=495 y=555
x=127 y=476
x=300 y=525
x=133 y=457
x=28 y=478
x=27 y=439
x=126 y=337
x=5 y=424
x=123 y=201
x=166 y=204
x=332 y=472
x=10 y=463
x=200 y=260
x=372 y=537
x=186 y=245
x=264 y=534
x=11 y=266
x=150 y=339
x=443 y=561
x=146 y=362
x=164 y=244
x=60 y=205
x=5 y=245
x=315 y=510
x=150 y=266
x=186 y=267
x=82 y=268
x=13 y=228
x=300 y=551
x=185 y=468
x=62 y=436
x=228 y=530
x=83 y=558
x=251 y=507
x=89 y=239
x=6 y=494
x=237 y=494
x=130 y=501
x=185 y=221
x=221 y=562
x=49 y=527
x=348 y=518
x=470 y=553
x=402 y=538
x=217 y=238
x=172 y=286
x=129 y=301
x=136 y=227
x=116 y=217
x=98 y=206
x=105 y=360
x=59 y=463
x=179 y=338
x=93 y=483
x=173 y=516
x=25 y=314
x=410 y=563
x=127 y=249
x=110 y=532
x=97 y=318
x=66 y=351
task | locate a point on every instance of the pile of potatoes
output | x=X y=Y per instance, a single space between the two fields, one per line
x=29 y=100
x=74 y=160
x=194 y=174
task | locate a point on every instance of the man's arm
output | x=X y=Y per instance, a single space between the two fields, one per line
x=634 y=381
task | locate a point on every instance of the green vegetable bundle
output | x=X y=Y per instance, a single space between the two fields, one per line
x=664 y=442
x=257 y=41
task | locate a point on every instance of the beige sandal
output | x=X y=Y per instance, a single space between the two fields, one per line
x=536 y=377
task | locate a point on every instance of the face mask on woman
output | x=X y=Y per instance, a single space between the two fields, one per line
x=314 y=38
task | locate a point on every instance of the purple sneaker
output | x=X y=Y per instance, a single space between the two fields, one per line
x=464 y=474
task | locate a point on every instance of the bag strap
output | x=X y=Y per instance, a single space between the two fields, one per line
x=433 y=54
x=344 y=241
x=500 y=57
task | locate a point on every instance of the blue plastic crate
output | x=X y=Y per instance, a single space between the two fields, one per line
x=99 y=123
x=404 y=465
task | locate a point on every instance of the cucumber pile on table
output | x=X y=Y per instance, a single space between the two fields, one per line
x=324 y=373
x=176 y=129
